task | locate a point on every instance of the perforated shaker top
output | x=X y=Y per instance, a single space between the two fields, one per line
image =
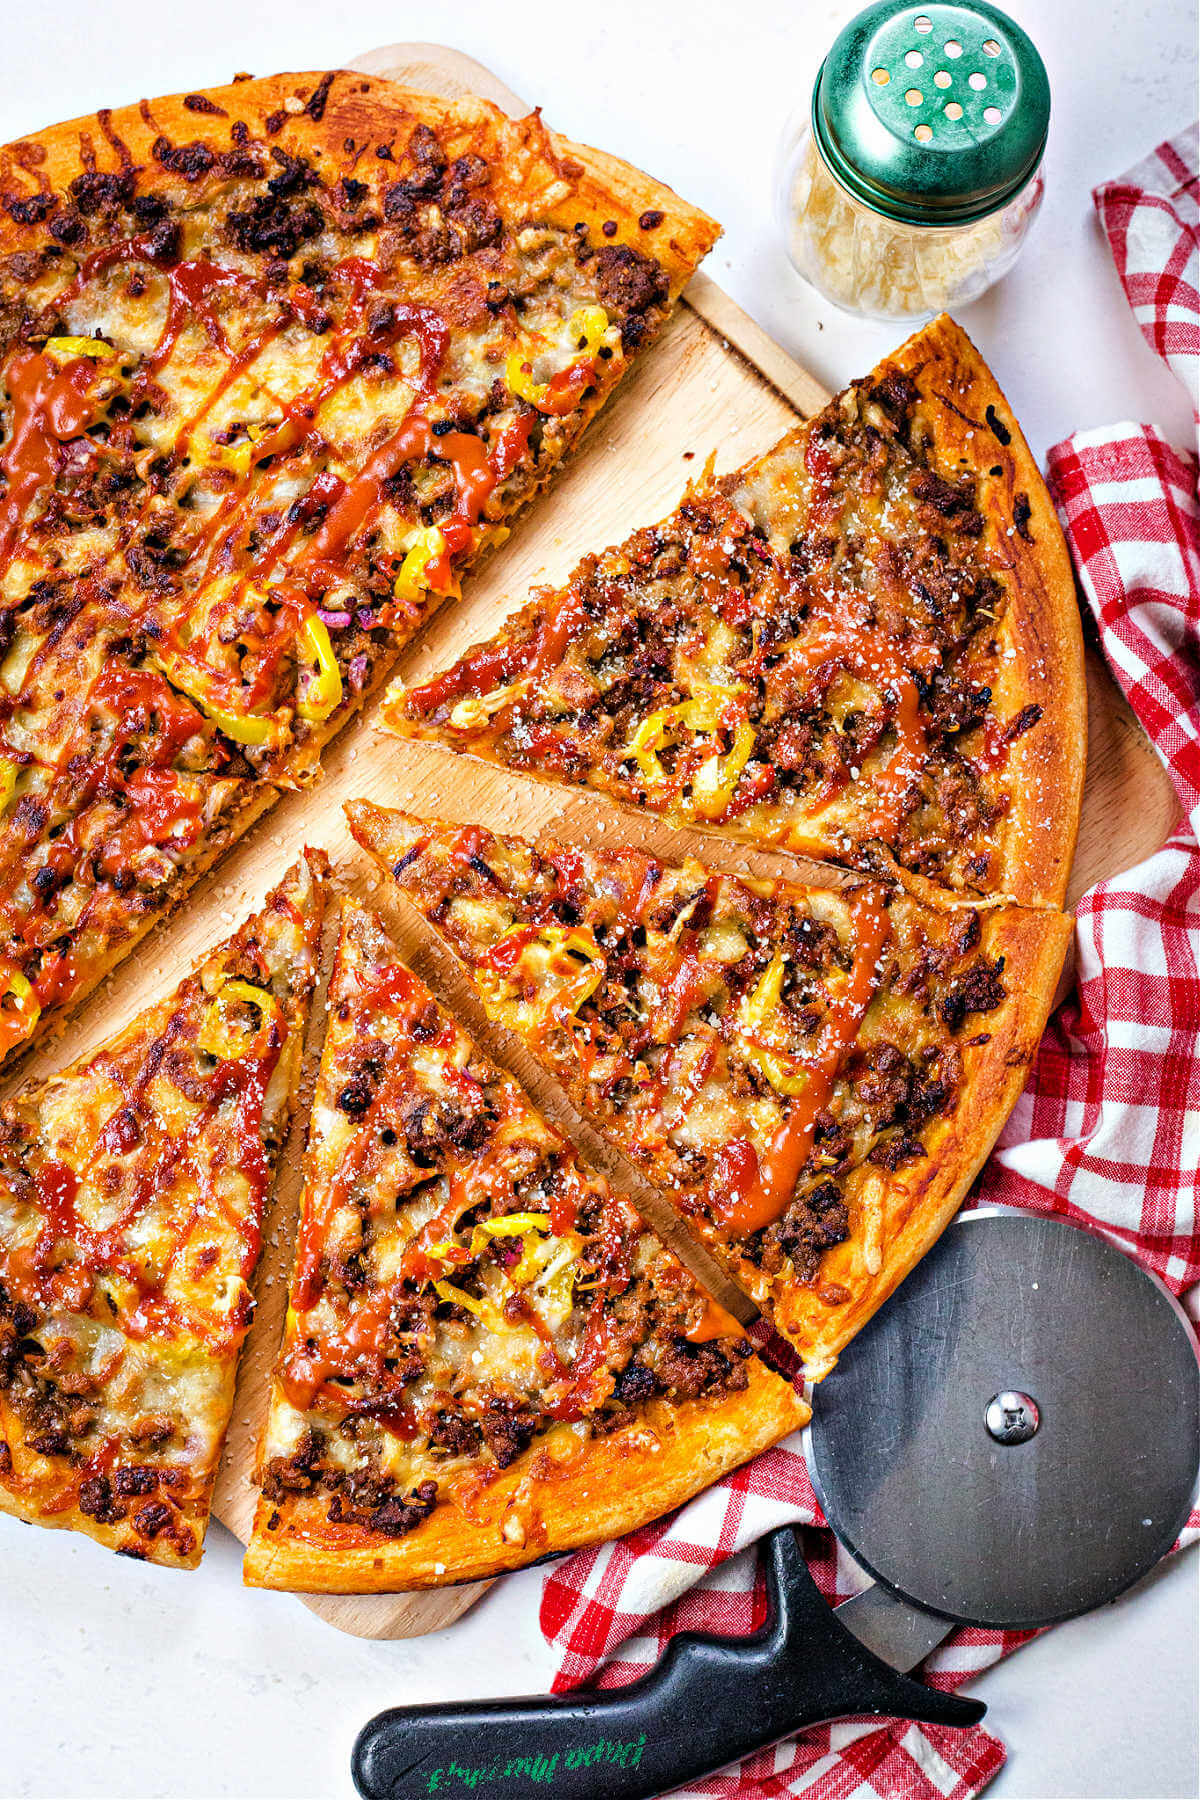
x=932 y=114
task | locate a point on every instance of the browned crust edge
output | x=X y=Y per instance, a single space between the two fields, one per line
x=920 y=1200
x=617 y=1484
x=960 y=399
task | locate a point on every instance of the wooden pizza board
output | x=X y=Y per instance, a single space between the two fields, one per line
x=713 y=380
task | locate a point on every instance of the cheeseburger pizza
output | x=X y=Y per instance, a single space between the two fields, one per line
x=132 y=1189
x=864 y=647
x=278 y=360
x=488 y=1357
x=813 y=1075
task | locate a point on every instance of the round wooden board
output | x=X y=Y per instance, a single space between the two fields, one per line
x=714 y=378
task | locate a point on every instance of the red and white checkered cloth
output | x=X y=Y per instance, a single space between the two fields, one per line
x=1108 y=1129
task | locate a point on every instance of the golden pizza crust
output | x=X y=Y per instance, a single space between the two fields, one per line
x=970 y=418
x=572 y=181
x=896 y=1217
x=536 y=1508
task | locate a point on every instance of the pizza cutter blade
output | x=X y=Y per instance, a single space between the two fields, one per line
x=1012 y=1440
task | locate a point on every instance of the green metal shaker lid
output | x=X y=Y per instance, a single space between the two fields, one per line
x=932 y=114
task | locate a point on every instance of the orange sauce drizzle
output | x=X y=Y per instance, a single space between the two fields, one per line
x=42 y=1274
x=745 y=1192
x=50 y=406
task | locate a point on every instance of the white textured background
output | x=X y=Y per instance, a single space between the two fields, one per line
x=125 y=1682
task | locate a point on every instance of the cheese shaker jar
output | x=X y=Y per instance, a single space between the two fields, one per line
x=909 y=185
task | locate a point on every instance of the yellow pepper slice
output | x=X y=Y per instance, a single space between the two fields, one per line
x=67 y=349
x=218 y=1035
x=8 y=780
x=512 y=1225
x=239 y=456
x=522 y=1225
x=518 y=374
x=267 y=730
x=783 y=1072
x=717 y=777
x=324 y=690
x=427 y=545
x=585 y=327
x=447 y=1291
x=20 y=1008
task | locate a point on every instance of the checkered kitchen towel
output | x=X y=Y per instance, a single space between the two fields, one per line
x=1108 y=1128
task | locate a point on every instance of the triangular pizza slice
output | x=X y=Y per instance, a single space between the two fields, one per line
x=132 y=1189
x=813 y=1075
x=278 y=360
x=864 y=646
x=488 y=1356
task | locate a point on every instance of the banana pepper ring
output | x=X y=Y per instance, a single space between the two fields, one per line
x=782 y=1071
x=416 y=577
x=586 y=327
x=267 y=730
x=324 y=689
x=67 y=349
x=20 y=1008
x=717 y=777
x=220 y=1037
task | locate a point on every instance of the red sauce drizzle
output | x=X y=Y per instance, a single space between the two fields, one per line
x=47 y=1280
x=50 y=405
x=746 y=1191
x=494 y=665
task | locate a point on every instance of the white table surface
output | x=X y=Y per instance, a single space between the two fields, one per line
x=121 y=1681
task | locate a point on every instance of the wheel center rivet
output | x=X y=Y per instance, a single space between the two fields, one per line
x=1012 y=1417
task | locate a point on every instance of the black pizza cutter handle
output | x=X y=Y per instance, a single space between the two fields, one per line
x=709 y=1702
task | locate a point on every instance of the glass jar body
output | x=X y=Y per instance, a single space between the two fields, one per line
x=883 y=268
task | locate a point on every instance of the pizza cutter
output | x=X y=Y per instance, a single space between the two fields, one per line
x=1012 y=1440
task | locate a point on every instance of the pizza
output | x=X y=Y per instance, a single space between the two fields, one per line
x=278 y=361
x=132 y=1189
x=488 y=1356
x=863 y=647
x=812 y=1074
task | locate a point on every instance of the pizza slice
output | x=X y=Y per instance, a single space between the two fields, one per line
x=488 y=1356
x=813 y=1075
x=132 y=1188
x=864 y=647
x=278 y=361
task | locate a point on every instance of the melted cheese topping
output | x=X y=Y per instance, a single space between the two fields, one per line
x=767 y=1052
x=243 y=391
x=461 y=1284
x=131 y=1195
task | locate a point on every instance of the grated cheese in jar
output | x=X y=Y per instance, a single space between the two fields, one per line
x=882 y=268
x=912 y=180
